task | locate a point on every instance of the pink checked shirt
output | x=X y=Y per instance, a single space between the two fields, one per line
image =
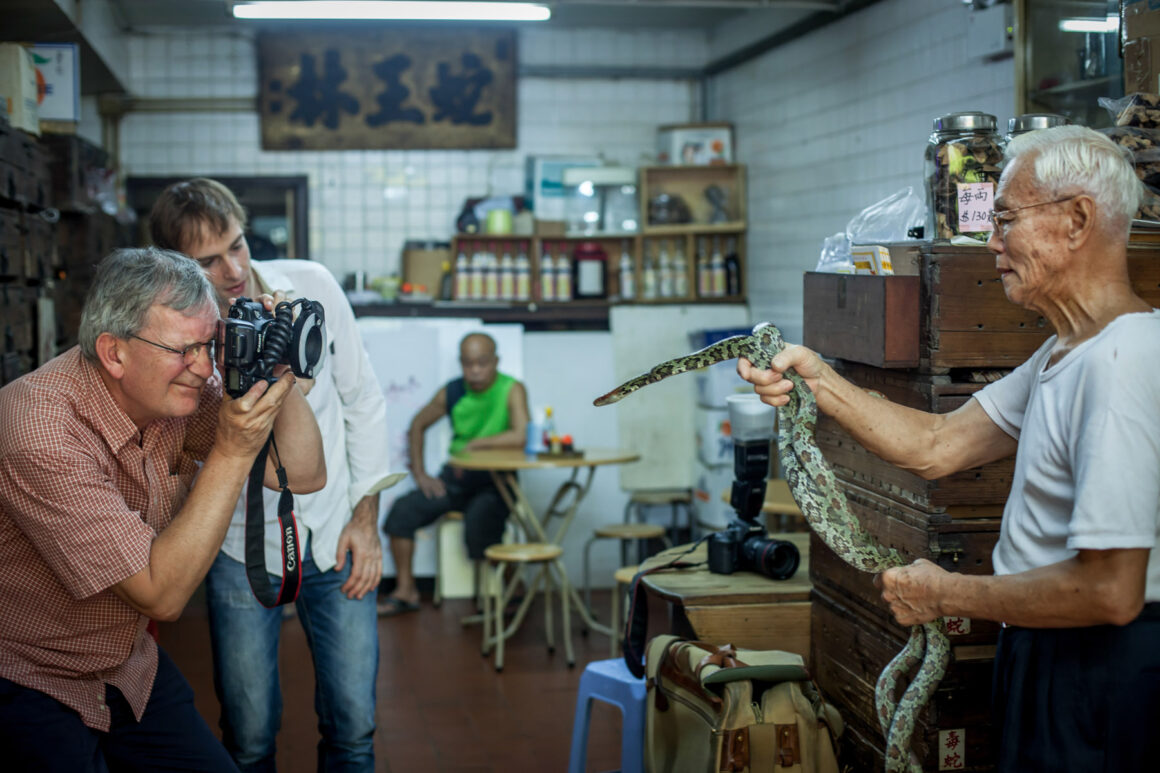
x=83 y=494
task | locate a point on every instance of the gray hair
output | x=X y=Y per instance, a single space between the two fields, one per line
x=1074 y=159
x=131 y=281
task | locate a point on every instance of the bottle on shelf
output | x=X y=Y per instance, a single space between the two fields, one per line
x=627 y=274
x=704 y=273
x=491 y=277
x=650 y=277
x=563 y=274
x=523 y=275
x=717 y=271
x=446 y=282
x=680 y=271
x=547 y=274
x=478 y=267
x=666 y=289
x=507 y=275
x=732 y=269
x=462 y=276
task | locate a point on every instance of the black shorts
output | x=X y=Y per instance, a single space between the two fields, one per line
x=1079 y=699
x=472 y=492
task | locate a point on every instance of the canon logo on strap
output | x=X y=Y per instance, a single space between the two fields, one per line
x=291 y=550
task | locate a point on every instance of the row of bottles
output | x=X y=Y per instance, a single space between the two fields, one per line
x=492 y=274
x=494 y=271
x=665 y=271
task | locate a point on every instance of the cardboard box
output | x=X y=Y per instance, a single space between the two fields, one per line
x=544 y=188
x=18 y=87
x=1140 y=30
x=58 y=80
x=423 y=265
x=695 y=144
x=871 y=259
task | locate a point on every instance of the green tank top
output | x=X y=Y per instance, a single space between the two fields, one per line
x=481 y=414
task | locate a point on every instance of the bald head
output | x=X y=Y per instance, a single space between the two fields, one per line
x=479 y=361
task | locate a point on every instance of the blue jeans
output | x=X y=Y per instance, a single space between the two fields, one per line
x=344 y=641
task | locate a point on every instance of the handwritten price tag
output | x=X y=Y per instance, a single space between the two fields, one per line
x=976 y=204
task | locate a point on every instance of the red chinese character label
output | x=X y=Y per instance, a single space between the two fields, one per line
x=958 y=626
x=952 y=749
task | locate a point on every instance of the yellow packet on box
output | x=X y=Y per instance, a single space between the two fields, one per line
x=872 y=259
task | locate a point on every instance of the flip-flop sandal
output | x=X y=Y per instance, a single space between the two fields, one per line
x=395 y=606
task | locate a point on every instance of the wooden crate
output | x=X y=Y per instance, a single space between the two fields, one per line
x=964 y=317
x=75 y=165
x=871 y=319
x=849 y=651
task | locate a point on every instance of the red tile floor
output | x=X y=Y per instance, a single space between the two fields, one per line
x=442 y=707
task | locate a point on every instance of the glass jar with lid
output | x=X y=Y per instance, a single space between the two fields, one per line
x=1029 y=122
x=962 y=165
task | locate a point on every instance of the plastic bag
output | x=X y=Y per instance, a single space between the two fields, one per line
x=888 y=220
x=835 y=257
x=1139 y=109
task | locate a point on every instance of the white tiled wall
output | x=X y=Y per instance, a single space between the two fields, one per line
x=838 y=120
x=365 y=204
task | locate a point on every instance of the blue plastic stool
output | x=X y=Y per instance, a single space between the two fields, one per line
x=610 y=681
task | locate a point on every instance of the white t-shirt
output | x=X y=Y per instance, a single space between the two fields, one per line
x=351 y=412
x=1087 y=470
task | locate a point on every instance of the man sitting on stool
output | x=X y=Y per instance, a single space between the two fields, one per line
x=488 y=409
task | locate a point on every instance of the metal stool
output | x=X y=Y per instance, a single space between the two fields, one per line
x=677 y=499
x=622 y=576
x=625 y=532
x=548 y=557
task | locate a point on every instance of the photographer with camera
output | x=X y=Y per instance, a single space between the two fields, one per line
x=341 y=561
x=100 y=530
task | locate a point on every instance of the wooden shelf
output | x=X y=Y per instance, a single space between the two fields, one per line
x=695 y=229
x=570 y=315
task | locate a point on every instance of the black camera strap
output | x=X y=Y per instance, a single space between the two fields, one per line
x=260 y=584
x=636 y=627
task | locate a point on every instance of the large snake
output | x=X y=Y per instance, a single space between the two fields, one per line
x=816 y=491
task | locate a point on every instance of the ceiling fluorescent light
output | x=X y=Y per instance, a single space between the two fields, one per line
x=410 y=10
x=1110 y=24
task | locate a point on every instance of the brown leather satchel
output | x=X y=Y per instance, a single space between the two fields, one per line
x=714 y=708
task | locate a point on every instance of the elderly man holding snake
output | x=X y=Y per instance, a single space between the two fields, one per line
x=1077 y=576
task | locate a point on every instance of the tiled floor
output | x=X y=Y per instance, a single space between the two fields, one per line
x=441 y=706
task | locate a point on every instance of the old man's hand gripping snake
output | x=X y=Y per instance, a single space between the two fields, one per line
x=821 y=500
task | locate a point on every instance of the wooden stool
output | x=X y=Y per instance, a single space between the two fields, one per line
x=622 y=576
x=547 y=556
x=624 y=532
x=677 y=499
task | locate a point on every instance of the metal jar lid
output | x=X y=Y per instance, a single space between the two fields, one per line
x=970 y=121
x=1032 y=121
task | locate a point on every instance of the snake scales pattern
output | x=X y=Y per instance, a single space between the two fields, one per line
x=817 y=493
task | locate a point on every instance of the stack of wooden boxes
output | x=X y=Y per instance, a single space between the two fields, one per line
x=27 y=249
x=83 y=193
x=53 y=232
x=928 y=340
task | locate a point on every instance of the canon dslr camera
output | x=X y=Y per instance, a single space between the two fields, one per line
x=743 y=544
x=253 y=341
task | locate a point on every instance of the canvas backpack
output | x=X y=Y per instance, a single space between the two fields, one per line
x=714 y=709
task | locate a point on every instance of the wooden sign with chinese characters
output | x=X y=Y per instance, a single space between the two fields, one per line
x=397 y=88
